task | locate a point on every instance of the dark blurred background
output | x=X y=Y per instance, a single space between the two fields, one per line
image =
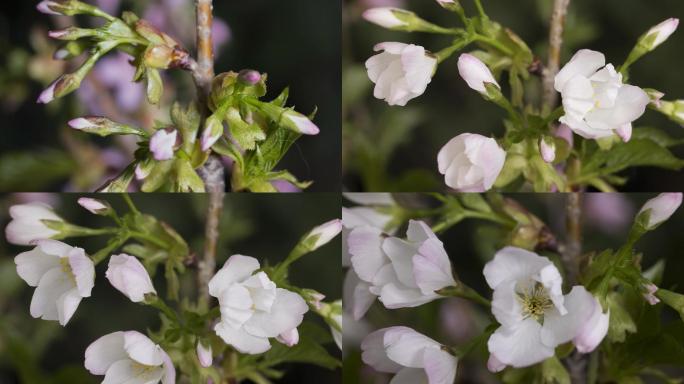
x=265 y=227
x=296 y=42
x=470 y=244
x=405 y=141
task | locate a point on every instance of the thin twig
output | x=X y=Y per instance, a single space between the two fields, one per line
x=560 y=8
x=577 y=363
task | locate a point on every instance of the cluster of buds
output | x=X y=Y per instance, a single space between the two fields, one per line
x=153 y=49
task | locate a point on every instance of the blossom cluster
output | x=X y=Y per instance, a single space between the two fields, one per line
x=253 y=309
x=533 y=313
x=597 y=102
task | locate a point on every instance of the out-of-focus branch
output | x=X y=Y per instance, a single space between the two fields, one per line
x=560 y=8
x=571 y=256
x=212 y=173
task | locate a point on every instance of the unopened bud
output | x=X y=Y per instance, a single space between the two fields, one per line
x=249 y=77
x=213 y=130
x=64 y=85
x=163 y=143
x=158 y=56
x=547 y=148
x=71 y=33
x=103 y=126
x=95 y=206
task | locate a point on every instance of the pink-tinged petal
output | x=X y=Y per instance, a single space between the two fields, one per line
x=33 y=264
x=204 y=354
x=584 y=63
x=162 y=144
x=289 y=338
x=512 y=264
x=143 y=350
x=241 y=340
x=494 y=365
x=104 y=352
x=406 y=347
x=520 y=346
x=374 y=354
x=236 y=268
x=383 y=16
x=440 y=366
x=48 y=94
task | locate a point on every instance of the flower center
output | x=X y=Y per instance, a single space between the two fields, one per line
x=66 y=268
x=535 y=301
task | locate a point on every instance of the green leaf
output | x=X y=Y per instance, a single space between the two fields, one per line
x=475 y=201
x=553 y=372
x=636 y=152
x=154 y=87
x=621 y=322
x=654 y=134
x=245 y=134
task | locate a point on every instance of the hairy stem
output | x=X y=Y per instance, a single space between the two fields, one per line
x=577 y=363
x=212 y=173
x=560 y=8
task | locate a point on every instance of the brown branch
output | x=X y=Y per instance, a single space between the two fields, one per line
x=571 y=256
x=560 y=8
x=204 y=71
x=212 y=173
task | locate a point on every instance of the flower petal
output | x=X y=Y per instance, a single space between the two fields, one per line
x=141 y=349
x=440 y=366
x=512 y=264
x=584 y=63
x=373 y=347
x=286 y=313
x=519 y=346
x=241 y=340
x=104 y=352
x=236 y=268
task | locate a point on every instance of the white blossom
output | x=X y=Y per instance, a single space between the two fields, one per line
x=411 y=356
x=129 y=357
x=130 y=277
x=595 y=101
x=27 y=227
x=471 y=162
x=402 y=273
x=62 y=275
x=534 y=314
x=401 y=72
x=253 y=309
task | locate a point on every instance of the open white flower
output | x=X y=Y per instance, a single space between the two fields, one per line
x=27 y=227
x=595 y=100
x=401 y=72
x=534 y=314
x=471 y=162
x=253 y=309
x=62 y=275
x=129 y=276
x=413 y=357
x=129 y=357
x=403 y=273
x=661 y=207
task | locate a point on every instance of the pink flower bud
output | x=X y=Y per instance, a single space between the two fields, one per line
x=663 y=31
x=213 y=130
x=384 y=17
x=624 y=132
x=325 y=232
x=93 y=205
x=475 y=72
x=289 y=338
x=300 y=123
x=204 y=354
x=162 y=144
x=649 y=294
x=547 y=148
x=249 y=76
x=661 y=207
x=130 y=277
